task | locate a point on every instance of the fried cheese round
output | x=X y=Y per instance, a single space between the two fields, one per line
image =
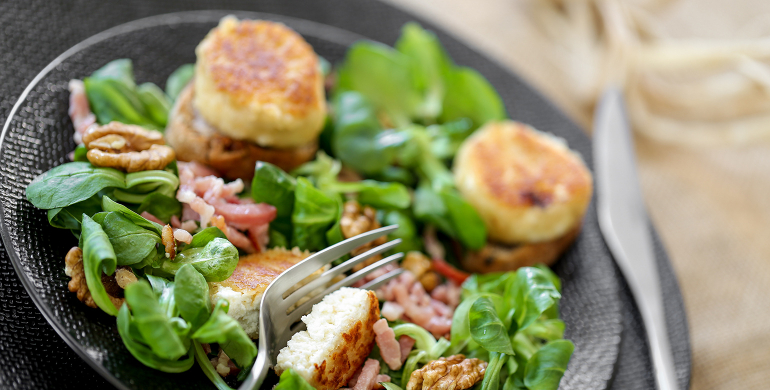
x=193 y=139
x=528 y=186
x=260 y=81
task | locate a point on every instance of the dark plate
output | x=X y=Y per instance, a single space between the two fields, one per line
x=38 y=136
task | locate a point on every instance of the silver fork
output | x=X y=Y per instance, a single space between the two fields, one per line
x=278 y=318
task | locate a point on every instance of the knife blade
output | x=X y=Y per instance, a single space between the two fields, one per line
x=624 y=225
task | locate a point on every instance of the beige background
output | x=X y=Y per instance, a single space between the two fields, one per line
x=711 y=206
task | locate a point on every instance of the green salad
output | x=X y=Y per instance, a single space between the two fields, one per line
x=397 y=117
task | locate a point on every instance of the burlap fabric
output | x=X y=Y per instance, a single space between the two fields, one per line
x=710 y=205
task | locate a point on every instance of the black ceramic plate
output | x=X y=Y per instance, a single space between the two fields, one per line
x=38 y=136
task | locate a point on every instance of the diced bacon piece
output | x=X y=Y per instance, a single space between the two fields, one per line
x=260 y=236
x=381 y=378
x=432 y=244
x=79 y=110
x=246 y=215
x=204 y=210
x=419 y=314
x=353 y=379
x=188 y=213
x=239 y=240
x=406 y=343
x=391 y=310
x=151 y=217
x=197 y=169
x=182 y=236
x=368 y=377
x=441 y=309
x=190 y=226
x=176 y=223
x=438 y=326
x=385 y=338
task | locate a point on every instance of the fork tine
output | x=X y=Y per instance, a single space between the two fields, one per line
x=377 y=283
x=305 y=307
x=325 y=277
x=314 y=262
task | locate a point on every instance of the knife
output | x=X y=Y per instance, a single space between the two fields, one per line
x=624 y=224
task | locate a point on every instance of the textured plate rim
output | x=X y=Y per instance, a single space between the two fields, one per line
x=328 y=32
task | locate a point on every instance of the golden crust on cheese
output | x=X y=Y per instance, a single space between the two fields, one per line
x=244 y=288
x=255 y=272
x=528 y=186
x=260 y=81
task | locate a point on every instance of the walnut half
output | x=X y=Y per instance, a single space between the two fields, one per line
x=449 y=373
x=356 y=220
x=113 y=284
x=129 y=148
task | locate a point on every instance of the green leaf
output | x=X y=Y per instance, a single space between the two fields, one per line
x=533 y=293
x=492 y=374
x=110 y=205
x=446 y=138
x=290 y=380
x=314 y=213
x=356 y=131
x=205 y=236
x=487 y=329
x=69 y=217
x=383 y=195
x=278 y=240
x=460 y=333
x=406 y=231
x=145 y=354
x=179 y=79
x=469 y=95
x=429 y=207
x=468 y=225
x=548 y=330
x=121 y=70
x=390 y=386
x=156 y=103
x=546 y=367
x=385 y=77
x=164 y=290
x=431 y=64
x=161 y=206
x=223 y=329
x=273 y=186
x=152 y=322
x=130 y=242
x=71 y=183
x=80 y=153
x=98 y=257
x=208 y=368
x=192 y=296
x=216 y=261
x=111 y=100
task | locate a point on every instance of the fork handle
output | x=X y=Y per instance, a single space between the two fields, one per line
x=259 y=369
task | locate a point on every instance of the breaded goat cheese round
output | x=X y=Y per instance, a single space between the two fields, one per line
x=244 y=288
x=339 y=337
x=259 y=81
x=527 y=185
